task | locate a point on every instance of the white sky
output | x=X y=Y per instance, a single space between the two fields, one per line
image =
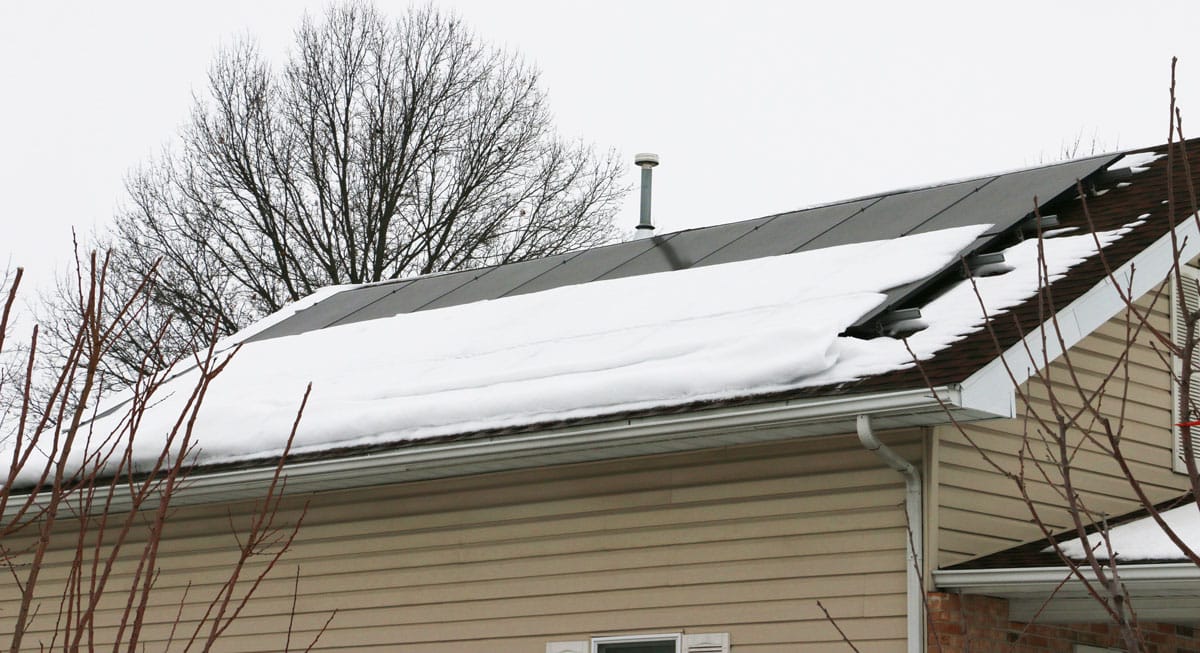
x=754 y=107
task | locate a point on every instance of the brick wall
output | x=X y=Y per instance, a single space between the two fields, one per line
x=979 y=624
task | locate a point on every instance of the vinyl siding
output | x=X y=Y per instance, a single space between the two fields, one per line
x=742 y=540
x=979 y=511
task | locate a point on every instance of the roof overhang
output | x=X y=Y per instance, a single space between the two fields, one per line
x=1073 y=323
x=1163 y=592
x=602 y=440
x=605 y=440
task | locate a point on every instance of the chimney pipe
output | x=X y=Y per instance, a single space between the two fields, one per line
x=646 y=161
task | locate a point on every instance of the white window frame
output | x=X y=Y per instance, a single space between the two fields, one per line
x=633 y=639
x=1191 y=275
x=684 y=642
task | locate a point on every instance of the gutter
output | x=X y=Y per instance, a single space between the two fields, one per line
x=1162 y=592
x=914 y=525
x=1030 y=580
x=657 y=434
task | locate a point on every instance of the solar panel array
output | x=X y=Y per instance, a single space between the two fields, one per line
x=1002 y=200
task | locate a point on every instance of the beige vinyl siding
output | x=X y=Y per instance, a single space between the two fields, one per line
x=980 y=512
x=742 y=540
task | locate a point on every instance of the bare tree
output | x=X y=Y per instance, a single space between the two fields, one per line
x=380 y=149
x=85 y=496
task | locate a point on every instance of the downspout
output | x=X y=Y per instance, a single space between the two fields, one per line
x=915 y=528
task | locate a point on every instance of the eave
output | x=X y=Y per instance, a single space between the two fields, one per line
x=1163 y=592
x=807 y=417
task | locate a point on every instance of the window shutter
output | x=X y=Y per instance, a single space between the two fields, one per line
x=569 y=647
x=706 y=643
x=1191 y=302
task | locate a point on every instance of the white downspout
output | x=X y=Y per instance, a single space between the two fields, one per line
x=915 y=547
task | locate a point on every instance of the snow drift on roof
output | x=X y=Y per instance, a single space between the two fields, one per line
x=1143 y=539
x=652 y=341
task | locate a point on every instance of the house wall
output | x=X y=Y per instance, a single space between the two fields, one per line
x=979 y=510
x=742 y=540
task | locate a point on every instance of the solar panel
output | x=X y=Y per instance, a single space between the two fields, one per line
x=1010 y=197
x=412 y=297
x=589 y=265
x=786 y=233
x=895 y=215
x=329 y=310
x=684 y=249
x=1002 y=200
x=500 y=280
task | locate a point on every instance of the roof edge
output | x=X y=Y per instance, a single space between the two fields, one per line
x=613 y=439
x=1163 y=592
x=1030 y=580
x=1081 y=317
x=626 y=437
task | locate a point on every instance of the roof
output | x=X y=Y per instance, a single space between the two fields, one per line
x=1135 y=537
x=765 y=316
x=1161 y=579
x=998 y=200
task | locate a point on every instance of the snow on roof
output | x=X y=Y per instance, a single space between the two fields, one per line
x=1143 y=539
x=589 y=350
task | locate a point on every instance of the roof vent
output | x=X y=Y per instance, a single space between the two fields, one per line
x=646 y=161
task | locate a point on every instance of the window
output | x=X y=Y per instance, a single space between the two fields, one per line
x=1191 y=302
x=636 y=644
x=659 y=643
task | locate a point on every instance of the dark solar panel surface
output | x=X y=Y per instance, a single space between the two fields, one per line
x=1010 y=197
x=413 y=296
x=500 y=280
x=589 y=265
x=786 y=233
x=329 y=310
x=1002 y=200
x=684 y=249
x=893 y=216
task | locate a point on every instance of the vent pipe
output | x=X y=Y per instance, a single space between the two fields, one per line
x=646 y=162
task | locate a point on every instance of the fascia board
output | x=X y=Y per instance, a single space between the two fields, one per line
x=1148 y=268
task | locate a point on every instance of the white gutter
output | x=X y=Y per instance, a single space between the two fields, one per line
x=1032 y=579
x=685 y=431
x=1167 y=592
x=915 y=525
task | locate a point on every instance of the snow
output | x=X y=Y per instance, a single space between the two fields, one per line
x=651 y=341
x=1143 y=539
x=957 y=312
x=1058 y=232
x=1136 y=162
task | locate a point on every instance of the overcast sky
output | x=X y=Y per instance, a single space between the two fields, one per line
x=754 y=107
